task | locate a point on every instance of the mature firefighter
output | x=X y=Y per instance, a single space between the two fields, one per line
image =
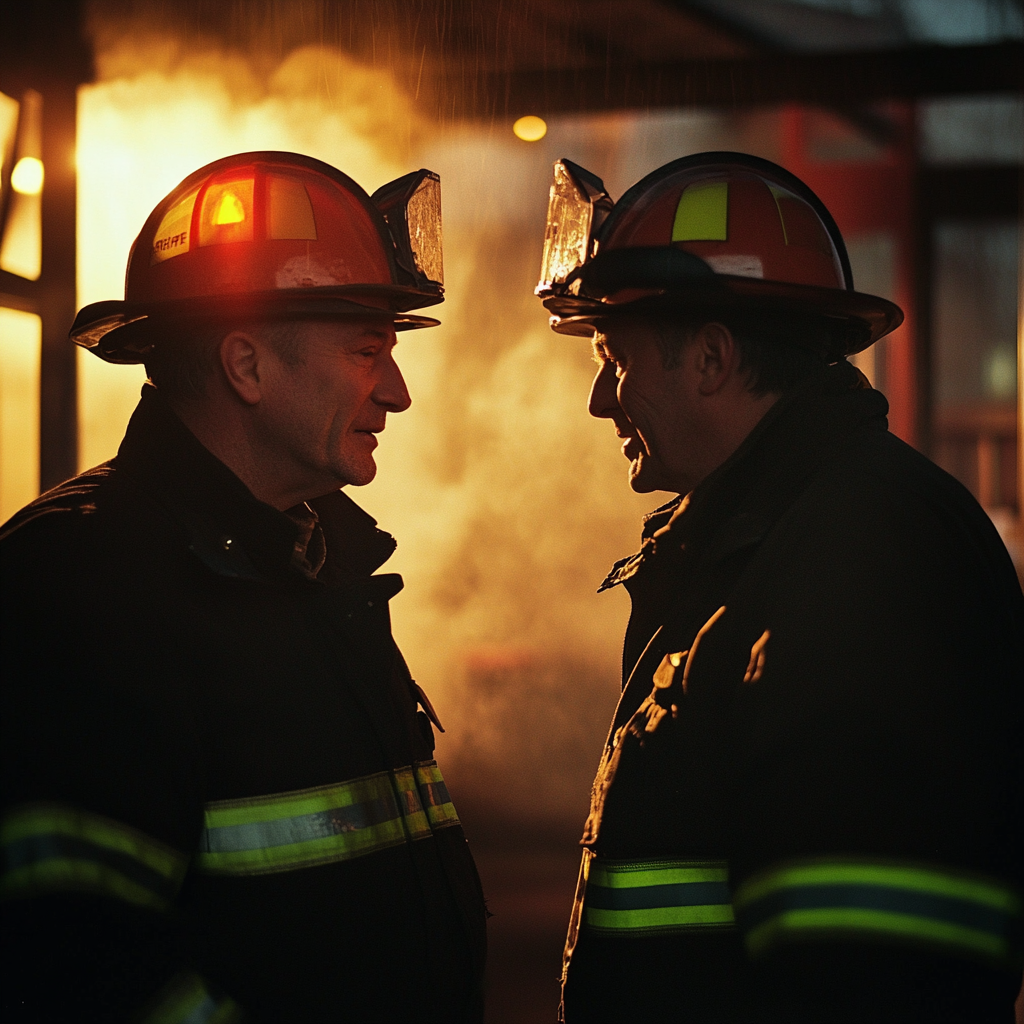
x=219 y=796
x=809 y=805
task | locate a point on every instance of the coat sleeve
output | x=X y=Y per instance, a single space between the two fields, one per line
x=100 y=805
x=876 y=796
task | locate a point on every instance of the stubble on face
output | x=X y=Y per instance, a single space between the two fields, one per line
x=329 y=403
x=646 y=401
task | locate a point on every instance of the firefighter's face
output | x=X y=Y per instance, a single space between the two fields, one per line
x=323 y=407
x=655 y=409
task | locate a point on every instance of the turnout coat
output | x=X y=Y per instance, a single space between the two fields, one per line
x=219 y=797
x=809 y=806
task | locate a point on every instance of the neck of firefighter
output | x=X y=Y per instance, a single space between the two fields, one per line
x=678 y=397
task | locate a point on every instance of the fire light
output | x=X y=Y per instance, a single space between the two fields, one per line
x=230 y=210
x=530 y=128
x=27 y=176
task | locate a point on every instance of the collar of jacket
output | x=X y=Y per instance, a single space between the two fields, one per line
x=735 y=506
x=229 y=530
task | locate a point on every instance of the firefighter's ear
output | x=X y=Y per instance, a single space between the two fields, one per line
x=717 y=357
x=240 y=360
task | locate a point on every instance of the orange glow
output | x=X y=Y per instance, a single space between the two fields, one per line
x=230 y=210
x=530 y=128
x=520 y=497
x=225 y=212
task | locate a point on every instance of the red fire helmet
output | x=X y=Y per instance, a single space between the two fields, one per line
x=275 y=236
x=712 y=231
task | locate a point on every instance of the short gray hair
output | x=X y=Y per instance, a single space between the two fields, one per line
x=184 y=358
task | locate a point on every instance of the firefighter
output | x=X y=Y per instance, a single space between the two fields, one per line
x=220 y=800
x=809 y=804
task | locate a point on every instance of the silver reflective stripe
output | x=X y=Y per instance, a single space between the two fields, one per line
x=301 y=829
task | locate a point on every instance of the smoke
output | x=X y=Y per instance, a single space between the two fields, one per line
x=508 y=501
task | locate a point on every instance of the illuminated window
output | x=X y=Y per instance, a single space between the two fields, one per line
x=975 y=296
x=20 y=345
x=21 y=139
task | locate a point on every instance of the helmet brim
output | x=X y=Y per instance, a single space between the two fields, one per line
x=870 y=317
x=122 y=332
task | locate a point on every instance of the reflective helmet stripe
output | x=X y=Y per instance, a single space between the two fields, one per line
x=288 y=831
x=702 y=214
x=627 y=898
x=861 y=899
x=53 y=848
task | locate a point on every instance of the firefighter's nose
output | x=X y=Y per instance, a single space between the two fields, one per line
x=391 y=392
x=603 y=401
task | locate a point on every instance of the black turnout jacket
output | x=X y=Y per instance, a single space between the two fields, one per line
x=810 y=804
x=219 y=797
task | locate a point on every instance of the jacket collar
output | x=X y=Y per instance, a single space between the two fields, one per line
x=736 y=505
x=231 y=531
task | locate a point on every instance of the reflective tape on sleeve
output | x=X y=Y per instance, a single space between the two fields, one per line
x=634 y=898
x=434 y=793
x=187 y=1000
x=304 y=828
x=866 y=900
x=51 y=848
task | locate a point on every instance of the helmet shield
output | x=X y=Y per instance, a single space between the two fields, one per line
x=411 y=205
x=577 y=205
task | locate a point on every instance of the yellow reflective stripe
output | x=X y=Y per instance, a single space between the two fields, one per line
x=882 y=923
x=186 y=1000
x=292 y=804
x=303 y=828
x=434 y=793
x=628 y=898
x=51 y=848
x=306 y=854
x=33 y=820
x=928 y=880
x=777 y=194
x=867 y=899
x=659 y=917
x=634 y=874
x=703 y=213
x=411 y=806
x=66 y=875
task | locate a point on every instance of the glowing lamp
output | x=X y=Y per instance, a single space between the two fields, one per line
x=226 y=214
x=530 y=128
x=229 y=210
x=27 y=176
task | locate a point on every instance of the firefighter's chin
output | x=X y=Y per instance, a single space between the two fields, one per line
x=641 y=474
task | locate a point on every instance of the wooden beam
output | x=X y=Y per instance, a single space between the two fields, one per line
x=828 y=79
x=58 y=399
x=18 y=293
